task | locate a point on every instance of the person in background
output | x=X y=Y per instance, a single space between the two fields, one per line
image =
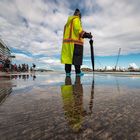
x=15 y=67
x=34 y=66
x=72 y=46
x=19 y=68
x=7 y=65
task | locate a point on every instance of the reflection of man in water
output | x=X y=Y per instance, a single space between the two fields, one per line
x=73 y=102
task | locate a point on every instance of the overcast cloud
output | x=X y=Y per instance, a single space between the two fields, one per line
x=36 y=26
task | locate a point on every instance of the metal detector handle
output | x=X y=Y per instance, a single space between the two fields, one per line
x=92 y=53
x=91 y=42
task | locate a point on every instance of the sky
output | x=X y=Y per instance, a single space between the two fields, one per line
x=33 y=30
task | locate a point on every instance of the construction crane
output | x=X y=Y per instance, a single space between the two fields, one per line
x=117 y=59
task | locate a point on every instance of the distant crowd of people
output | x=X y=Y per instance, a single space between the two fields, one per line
x=6 y=66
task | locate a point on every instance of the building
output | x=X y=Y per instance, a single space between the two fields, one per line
x=5 y=53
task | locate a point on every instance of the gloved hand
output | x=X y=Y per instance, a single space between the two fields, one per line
x=87 y=35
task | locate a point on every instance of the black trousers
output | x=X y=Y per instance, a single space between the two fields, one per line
x=68 y=68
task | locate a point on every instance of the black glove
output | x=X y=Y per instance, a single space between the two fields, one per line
x=87 y=35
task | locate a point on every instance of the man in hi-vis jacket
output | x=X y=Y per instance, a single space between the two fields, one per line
x=72 y=47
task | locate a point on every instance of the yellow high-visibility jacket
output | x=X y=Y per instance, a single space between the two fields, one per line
x=73 y=33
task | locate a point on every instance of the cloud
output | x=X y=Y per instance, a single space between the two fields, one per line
x=36 y=27
x=109 y=67
x=52 y=62
x=114 y=29
x=133 y=65
x=42 y=62
x=21 y=57
x=84 y=66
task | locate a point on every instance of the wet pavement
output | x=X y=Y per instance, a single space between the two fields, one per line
x=51 y=106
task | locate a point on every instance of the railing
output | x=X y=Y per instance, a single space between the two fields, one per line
x=1 y=49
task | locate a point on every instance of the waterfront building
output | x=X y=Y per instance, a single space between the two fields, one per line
x=5 y=54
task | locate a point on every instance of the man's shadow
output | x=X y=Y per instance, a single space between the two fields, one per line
x=72 y=95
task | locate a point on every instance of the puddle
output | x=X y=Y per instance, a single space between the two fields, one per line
x=51 y=106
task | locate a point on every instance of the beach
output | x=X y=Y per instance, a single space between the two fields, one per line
x=100 y=106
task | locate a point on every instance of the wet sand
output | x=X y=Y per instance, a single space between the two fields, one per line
x=52 y=107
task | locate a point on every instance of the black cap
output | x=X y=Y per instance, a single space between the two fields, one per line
x=77 y=11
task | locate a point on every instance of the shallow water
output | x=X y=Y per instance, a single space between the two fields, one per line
x=51 y=106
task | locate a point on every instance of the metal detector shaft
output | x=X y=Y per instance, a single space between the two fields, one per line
x=92 y=53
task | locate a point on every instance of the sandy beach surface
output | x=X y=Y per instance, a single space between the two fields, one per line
x=50 y=106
